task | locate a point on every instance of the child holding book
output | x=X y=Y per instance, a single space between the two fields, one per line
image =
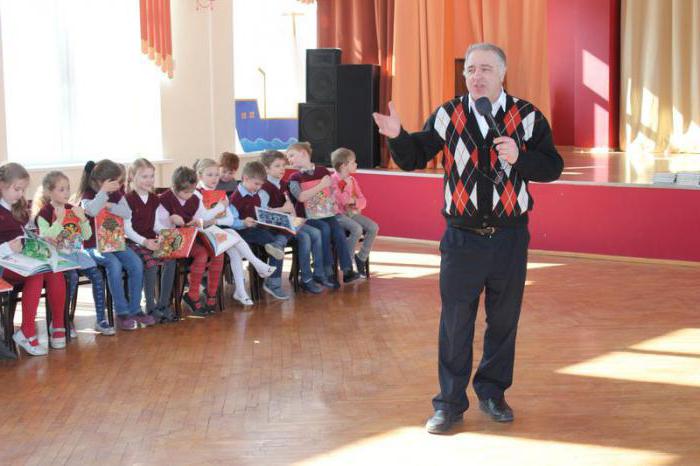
x=68 y=227
x=243 y=203
x=100 y=188
x=208 y=174
x=350 y=202
x=180 y=207
x=311 y=185
x=143 y=240
x=228 y=166
x=14 y=216
x=273 y=194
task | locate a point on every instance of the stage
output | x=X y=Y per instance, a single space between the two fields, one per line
x=603 y=204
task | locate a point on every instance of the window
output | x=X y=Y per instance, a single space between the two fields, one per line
x=269 y=68
x=77 y=86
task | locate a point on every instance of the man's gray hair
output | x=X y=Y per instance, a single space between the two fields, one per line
x=488 y=47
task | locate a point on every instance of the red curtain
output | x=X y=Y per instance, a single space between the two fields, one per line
x=364 y=30
x=156 y=36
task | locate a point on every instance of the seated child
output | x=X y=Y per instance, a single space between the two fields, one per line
x=350 y=202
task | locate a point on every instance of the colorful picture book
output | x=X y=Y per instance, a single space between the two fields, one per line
x=70 y=239
x=37 y=256
x=322 y=205
x=212 y=197
x=175 y=243
x=109 y=232
x=218 y=240
x=278 y=220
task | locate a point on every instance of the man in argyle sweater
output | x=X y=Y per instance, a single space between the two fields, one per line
x=485 y=245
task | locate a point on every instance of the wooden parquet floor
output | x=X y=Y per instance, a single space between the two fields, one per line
x=607 y=372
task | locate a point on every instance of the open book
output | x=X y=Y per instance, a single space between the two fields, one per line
x=279 y=220
x=109 y=231
x=218 y=240
x=37 y=256
x=322 y=205
x=175 y=243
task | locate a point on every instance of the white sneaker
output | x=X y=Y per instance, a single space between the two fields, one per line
x=274 y=251
x=26 y=344
x=57 y=342
x=243 y=299
x=266 y=271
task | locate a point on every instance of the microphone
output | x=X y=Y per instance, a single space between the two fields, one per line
x=483 y=106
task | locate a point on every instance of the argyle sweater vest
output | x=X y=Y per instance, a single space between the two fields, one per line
x=473 y=171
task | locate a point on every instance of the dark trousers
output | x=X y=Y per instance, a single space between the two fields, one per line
x=469 y=264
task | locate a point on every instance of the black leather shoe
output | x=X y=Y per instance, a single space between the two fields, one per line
x=350 y=276
x=497 y=409
x=442 y=421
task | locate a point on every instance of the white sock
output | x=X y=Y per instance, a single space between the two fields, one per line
x=245 y=251
x=237 y=272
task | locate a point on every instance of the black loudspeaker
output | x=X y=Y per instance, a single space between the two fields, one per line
x=317 y=125
x=358 y=97
x=321 y=76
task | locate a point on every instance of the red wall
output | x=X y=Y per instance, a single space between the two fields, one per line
x=584 y=63
x=623 y=221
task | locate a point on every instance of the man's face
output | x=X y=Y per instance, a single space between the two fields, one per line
x=483 y=75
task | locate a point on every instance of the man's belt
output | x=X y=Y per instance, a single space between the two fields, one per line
x=486 y=231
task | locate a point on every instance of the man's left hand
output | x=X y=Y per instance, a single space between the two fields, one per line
x=507 y=149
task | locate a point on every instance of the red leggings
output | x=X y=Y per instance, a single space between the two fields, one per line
x=201 y=257
x=55 y=290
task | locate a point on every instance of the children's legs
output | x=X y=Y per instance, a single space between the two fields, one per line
x=340 y=243
x=31 y=291
x=304 y=252
x=150 y=276
x=167 y=278
x=371 y=229
x=355 y=229
x=245 y=251
x=56 y=296
x=326 y=246
x=216 y=265
x=237 y=272
x=200 y=257
x=72 y=276
x=114 y=279
x=280 y=241
x=134 y=269
x=98 y=291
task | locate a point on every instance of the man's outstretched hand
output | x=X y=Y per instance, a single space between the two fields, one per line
x=389 y=125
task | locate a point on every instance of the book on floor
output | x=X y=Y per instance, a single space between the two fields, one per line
x=278 y=220
x=109 y=232
x=212 y=197
x=322 y=205
x=37 y=256
x=175 y=243
x=218 y=240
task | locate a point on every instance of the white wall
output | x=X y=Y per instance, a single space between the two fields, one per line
x=196 y=105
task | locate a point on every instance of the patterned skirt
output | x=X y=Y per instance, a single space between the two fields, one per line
x=146 y=255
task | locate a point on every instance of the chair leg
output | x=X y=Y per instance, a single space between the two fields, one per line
x=7 y=322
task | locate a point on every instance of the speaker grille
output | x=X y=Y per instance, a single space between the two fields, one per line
x=321 y=83
x=317 y=125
